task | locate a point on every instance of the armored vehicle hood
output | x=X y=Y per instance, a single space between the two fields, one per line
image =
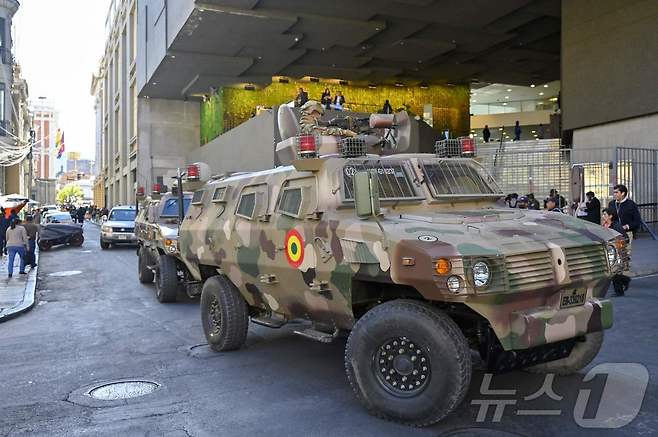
x=499 y=231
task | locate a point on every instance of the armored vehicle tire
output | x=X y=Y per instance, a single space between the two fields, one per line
x=166 y=279
x=581 y=355
x=105 y=245
x=145 y=274
x=408 y=362
x=224 y=314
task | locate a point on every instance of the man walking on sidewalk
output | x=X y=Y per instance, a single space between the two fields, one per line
x=628 y=219
x=32 y=230
x=627 y=212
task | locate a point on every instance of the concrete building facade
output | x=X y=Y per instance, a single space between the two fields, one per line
x=609 y=96
x=45 y=125
x=15 y=119
x=116 y=105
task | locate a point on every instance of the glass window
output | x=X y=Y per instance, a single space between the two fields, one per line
x=198 y=197
x=170 y=208
x=394 y=183
x=291 y=201
x=218 y=195
x=247 y=206
x=122 y=215
x=2 y=105
x=447 y=178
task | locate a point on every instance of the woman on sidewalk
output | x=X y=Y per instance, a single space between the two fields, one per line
x=17 y=243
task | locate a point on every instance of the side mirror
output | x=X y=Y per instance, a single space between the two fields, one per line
x=366 y=194
x=104 y=219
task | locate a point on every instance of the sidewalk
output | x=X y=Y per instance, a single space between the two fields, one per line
x=644 y=257
x=17 y=293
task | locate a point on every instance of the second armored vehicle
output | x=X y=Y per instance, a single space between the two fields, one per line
x=156 y=228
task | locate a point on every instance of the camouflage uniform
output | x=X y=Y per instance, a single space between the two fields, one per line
x=308 y=124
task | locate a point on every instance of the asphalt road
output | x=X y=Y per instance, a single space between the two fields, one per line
x=102 y=324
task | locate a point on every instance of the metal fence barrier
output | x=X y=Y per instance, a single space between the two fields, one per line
x=523 y=167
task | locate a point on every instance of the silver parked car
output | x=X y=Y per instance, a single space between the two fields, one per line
x=119 y=228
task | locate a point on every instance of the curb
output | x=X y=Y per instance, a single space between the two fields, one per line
x=29 y=300
x=646 y=272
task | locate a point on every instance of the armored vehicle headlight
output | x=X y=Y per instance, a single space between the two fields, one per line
x=171 y=245
x=454 y=284
x=481 y=274
x=612 y=254
x=443 y=266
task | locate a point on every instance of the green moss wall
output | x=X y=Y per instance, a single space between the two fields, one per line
x=212 y=117
x=232 y=106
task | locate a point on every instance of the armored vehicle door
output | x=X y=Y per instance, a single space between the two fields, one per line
x=297 y=274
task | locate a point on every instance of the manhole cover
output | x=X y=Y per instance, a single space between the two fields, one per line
x=66 y=273
x=123 y=390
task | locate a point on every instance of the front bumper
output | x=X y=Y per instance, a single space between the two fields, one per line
x=118 y=237
x=540 y=326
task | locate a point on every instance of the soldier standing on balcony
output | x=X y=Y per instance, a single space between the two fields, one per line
x=309 y=123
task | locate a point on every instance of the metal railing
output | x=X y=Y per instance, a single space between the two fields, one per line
x=523 y=167
x=513 y=106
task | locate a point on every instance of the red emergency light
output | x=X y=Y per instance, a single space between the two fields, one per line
x=157 y=188
x=140 y=191
x=307 y=146
x=468 y=146
x=193 y=172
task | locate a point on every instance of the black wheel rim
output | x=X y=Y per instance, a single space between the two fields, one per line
x=214 y=317
x=402 y=367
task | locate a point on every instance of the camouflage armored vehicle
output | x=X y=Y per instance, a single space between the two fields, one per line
x=156 y=228
x=410 y=255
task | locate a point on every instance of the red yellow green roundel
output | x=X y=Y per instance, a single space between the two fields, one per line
x=294 y=248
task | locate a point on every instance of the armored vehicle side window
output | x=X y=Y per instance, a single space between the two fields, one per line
x=198 y=197
x=291 y=201
x=394 y=182
x=247 y=206
x=219 y=195
x=447 y=178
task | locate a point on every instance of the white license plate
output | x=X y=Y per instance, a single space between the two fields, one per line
x=572 y=298
x=123 y=237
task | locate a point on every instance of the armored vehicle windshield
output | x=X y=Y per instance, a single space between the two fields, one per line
x=170 y=207
x=395 y=182
x=458 y=177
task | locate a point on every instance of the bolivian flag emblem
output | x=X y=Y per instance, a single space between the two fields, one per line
x=294 y=248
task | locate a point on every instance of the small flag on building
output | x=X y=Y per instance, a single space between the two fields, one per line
x=60 y=150
x=58 y=139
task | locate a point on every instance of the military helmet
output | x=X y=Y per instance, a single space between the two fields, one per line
x=312 y=105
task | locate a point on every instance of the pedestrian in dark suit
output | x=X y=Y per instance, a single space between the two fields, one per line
x=517 y=131
x=593 y=208
x=486 y=134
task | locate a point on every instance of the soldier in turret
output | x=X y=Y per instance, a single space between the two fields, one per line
x=309 y=123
